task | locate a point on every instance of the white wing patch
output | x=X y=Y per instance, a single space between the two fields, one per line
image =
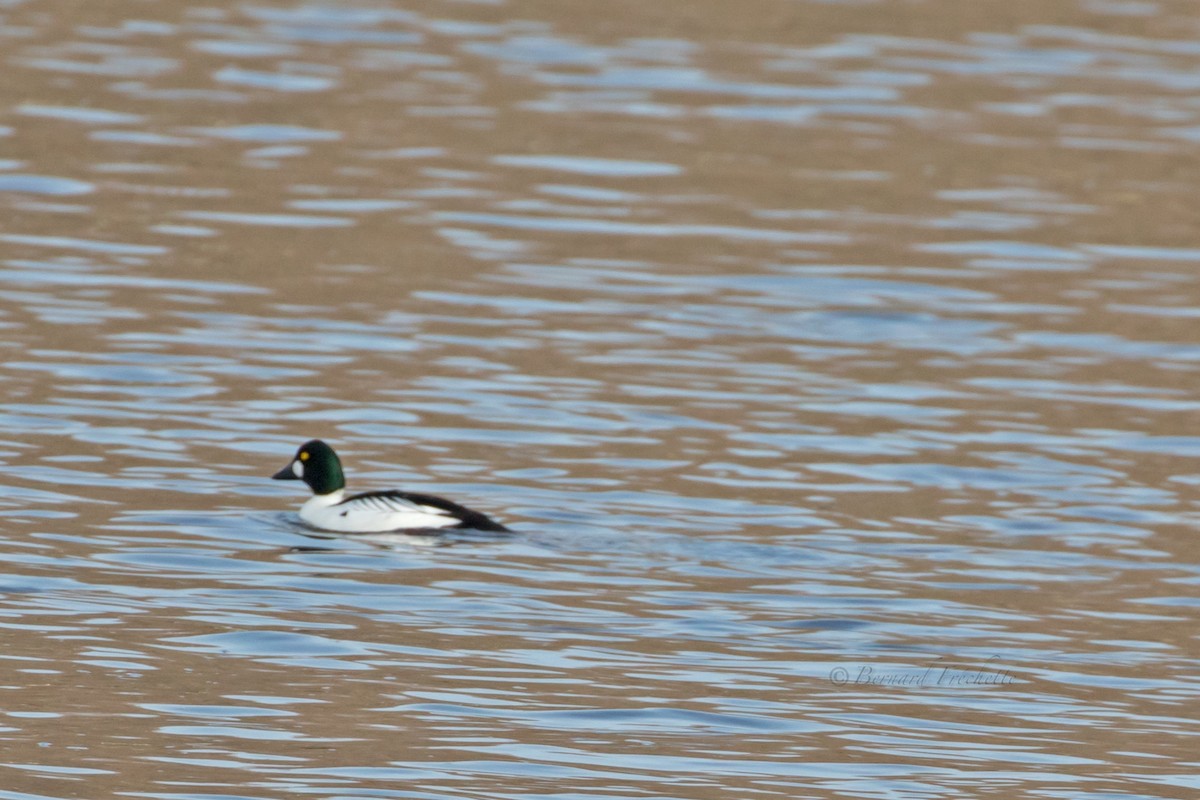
x=388 y=504
x=373 y=513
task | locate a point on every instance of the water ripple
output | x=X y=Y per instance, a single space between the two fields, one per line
x=833 y=364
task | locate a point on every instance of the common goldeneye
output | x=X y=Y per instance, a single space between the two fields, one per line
x=330 y=509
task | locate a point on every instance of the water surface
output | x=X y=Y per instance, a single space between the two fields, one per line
x=836 y=363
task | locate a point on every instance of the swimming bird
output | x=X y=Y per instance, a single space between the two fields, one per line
x=330 y=509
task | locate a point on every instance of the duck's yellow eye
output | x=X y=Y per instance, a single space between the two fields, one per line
x=304 y=456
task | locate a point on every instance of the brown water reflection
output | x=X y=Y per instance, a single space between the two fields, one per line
x=836 y=361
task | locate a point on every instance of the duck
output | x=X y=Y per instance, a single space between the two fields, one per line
x=330 y=509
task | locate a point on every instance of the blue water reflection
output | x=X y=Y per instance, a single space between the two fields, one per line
x=834 y=366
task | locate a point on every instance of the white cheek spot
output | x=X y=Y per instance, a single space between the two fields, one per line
x=298 y=468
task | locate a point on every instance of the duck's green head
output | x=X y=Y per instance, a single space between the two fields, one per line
x=317 y=465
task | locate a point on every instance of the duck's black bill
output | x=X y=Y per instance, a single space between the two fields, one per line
x=285 y=474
